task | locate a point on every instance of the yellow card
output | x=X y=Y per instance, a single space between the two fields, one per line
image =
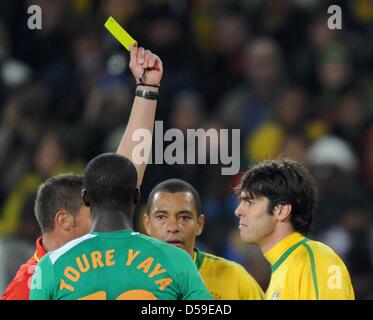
x=119 y=33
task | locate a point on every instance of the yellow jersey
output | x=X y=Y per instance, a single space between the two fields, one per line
x=303 y=269
x=226 y=280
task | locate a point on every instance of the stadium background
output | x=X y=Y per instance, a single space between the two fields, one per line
x=271 y=68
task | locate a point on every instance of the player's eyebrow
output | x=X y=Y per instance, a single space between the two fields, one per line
x=160 y=211
x=185 y=212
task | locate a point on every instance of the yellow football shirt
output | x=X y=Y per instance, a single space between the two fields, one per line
x=226 y=280
x=307 y=270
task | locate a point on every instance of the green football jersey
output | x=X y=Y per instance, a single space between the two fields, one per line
x=123 y=265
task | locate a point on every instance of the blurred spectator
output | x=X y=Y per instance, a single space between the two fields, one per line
x=350 y=120
x=122 y=10
x=86 y=52
x=45 y=49
x=332 y=151
x=289 y=116
x=367 y=159
x=108 y=103
x=204 y=16
x=295 y=146
x=188 y=111
x=319 y=37
x=166 y=33
x=224 y=60
x=51 y=156
x=281 y=20
x=20 y=127
x=363 y=10
x=335 y=75
x=219 y=199
x=248 y=106
x=333 y=163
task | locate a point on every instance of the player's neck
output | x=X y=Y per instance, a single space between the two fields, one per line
x=52 y=241
x=108 y=220
x=275 y=237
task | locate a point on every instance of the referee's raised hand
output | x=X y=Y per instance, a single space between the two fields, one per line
x=146 y=67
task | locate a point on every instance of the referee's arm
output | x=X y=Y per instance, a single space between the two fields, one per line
x=147 y=68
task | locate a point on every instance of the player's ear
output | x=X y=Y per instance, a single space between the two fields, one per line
x=137 y=196
x=282 y=211
x=146 y=223
x=85 y=197
x=63 y=220
x=201 y=223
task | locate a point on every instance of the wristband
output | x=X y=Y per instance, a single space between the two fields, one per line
x=147 y=94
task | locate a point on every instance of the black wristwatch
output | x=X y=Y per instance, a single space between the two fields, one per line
x=147 y=94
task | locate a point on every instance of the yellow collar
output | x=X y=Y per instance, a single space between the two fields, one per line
x=276 y=252
x=198 y=258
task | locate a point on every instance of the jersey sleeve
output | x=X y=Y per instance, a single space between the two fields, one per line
x=248 y=288
x=190 y=281
x=42 y=283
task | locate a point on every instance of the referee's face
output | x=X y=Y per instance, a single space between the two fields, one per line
x=255 y=223
x=173 y=219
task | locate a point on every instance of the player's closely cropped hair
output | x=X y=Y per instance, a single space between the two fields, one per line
x=174 y=186
x=59 y=192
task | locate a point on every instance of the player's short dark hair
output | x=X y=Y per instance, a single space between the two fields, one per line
x=283 y=182
x=61 y=192
x=174 y=186
x=110 y=181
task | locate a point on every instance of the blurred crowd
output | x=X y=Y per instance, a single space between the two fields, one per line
x=271 y=68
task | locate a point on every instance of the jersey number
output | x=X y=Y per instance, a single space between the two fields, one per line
x=127 y=295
